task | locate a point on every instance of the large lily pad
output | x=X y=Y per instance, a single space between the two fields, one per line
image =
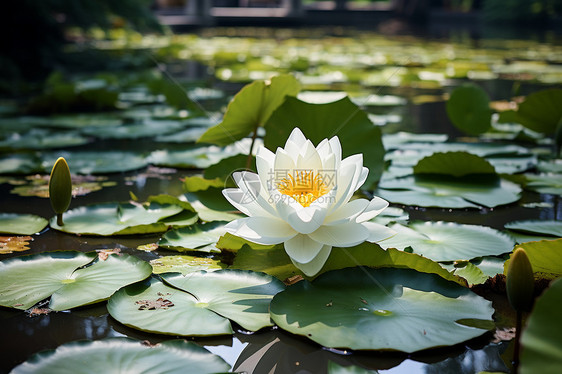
x=146 y=128
x=198 y=304
x=541 y=339
x=198 y=237
x=537 y=227
x=449 y=192
x=20 y=163
x=541 y=111
x=448 y=241
x=457 y=164
x=21 y=224
x=469 y=109
x=389 y=309
x=124 y=218
x=124 y=355
x=251 y=108
x=65 y=278
x=320 y=121
x=42 y=139
x=97 y=162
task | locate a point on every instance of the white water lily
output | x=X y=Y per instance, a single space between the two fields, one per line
x=301 y=197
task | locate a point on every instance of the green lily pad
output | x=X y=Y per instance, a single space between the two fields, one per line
x=396 y=140
x=146 y=128
x=469 y=109
x=374 y=309
x=21 y=224
x=200 y=303
x=124 y=218
x=321 y=121
x=97 y=162
x=42 y=139
x=199 y=237
x=38 y=185
x=541 y=111
x=433 y=191
x=541 y=227
x=334 y=368
x=211 y=205
x=545 y=257
x=251 y=108
x=189 y=135
x=20 y=163
x=541 y=339
x=457 y=164
x=128 y=355
x=65 y=278
x=543 y=183
x=448 y=241
x=184 y=264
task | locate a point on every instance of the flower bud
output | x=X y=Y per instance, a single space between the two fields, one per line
x=520 y=281
x=60 y=188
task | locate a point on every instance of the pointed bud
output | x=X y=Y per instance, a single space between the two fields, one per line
x=60 y=188
x=520 y=281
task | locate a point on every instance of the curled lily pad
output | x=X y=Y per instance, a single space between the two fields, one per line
x=374 y=309
x=199 y=303
x=124 y=218
x=132 y=356
x=65 y=278
x=21 y=224
x=545 y=257
x=448 y=241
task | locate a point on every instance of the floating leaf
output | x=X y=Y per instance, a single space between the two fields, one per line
x=132 y=356
x=397 y=309
x=541 y=339
x=20 y=163
x=146 y=128
x=10 y=244
x=457 y=164
x=321 y=121
x=251 y=108
x=198 y=237
x=545 y=257
x=211 y=205
x=184 y=264
x=449 y=192
x=21 y=224
x=97 y=162
x=448 y=241
x=63 y=276
x=209 y=300
x=469 y=109
x=540 y=227
x=124 y=218
x=38 y=185
x=42 y=139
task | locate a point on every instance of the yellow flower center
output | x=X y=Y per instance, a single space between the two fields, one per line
x=305 y=187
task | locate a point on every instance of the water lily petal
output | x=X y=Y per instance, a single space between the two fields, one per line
x=378 y=232
x=284 y=164
x=344 y=235
x=376 y=206
x=252 y=195
x=261 y=230
x=295 y=142
x=347 y=212
x=303 y=220
x=302 y=248
x=308 y=158
x=265 y=165
x=336 y=149
x=313 y=267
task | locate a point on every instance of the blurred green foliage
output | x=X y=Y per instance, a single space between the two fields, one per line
x=34 y=32
x=521 y=11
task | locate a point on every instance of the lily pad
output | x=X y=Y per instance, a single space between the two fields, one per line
x=97 y=162
x=199 y=237
x=38 y=185
x=184 y=264
x=541 y=339
x=21 y=224
x=65 y=278
x=457 y=164
x=128 y=355
x=251 y=108
x=449 y=192
x=42 y=139
x=20 y=163
x=124 y=218
x=541 y=111
x=540 y=227
x=11 y=244
x=147 y=128
x=469 y=109
x=211 y=205
x=321 y=121
x=198 y=304
x=381 y=309
x=448 y=241
x=545 y=257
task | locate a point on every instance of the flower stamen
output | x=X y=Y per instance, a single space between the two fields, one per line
x=305 y=187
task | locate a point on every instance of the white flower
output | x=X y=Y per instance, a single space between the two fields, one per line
x=301 y=197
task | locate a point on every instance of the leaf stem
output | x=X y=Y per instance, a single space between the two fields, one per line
x=517 y=347
x=254 y=136
x=59 y=219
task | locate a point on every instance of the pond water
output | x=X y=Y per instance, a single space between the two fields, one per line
x=223 y=60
